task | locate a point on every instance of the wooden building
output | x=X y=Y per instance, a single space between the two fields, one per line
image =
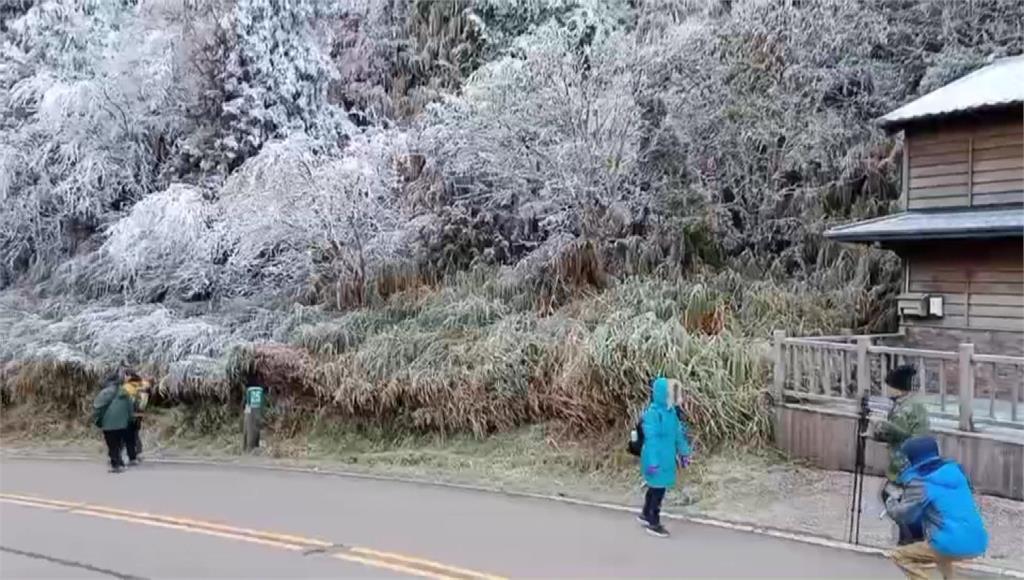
x=961 y=231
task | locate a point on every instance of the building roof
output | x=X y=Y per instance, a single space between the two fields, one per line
x=996 y=85
x=970 y=223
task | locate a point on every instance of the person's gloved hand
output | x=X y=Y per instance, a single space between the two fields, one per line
x=651 y=470
x=684 y=461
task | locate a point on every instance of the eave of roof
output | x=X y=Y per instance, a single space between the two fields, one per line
x=957 y=224
x=995 y=86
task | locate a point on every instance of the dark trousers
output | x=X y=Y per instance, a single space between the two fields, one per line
x=135 y=437
x=652 y=505
x=118 y=439
x=910 y=534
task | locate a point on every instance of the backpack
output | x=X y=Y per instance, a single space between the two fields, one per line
x=636 y=439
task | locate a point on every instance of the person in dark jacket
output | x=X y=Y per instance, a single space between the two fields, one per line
x=112 y=412
x=937 y=496
x=665 y=447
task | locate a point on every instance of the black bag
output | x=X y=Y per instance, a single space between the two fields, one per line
x=636 y=439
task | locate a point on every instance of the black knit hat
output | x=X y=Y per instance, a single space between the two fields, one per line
x=901 y=377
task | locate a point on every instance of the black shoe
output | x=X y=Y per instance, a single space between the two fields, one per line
x=657 y=530
x=134 y=462
x=643 y=520
x=116 y=469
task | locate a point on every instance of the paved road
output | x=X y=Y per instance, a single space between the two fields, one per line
x=72 y=519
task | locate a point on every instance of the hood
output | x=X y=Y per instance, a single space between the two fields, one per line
x=943 y=473
x=659 y=393
x=920 y=450
x=111 y=381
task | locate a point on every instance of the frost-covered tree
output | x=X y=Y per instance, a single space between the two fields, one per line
x=88 y=99
x=394 y=57
x=551 y=132
x=773 y=104
x=540 y=126
x=264 y=73
x=292 y=219
x=166 y=243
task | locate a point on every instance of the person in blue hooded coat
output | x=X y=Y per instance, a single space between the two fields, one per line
x=665 y=446
x=937 y=496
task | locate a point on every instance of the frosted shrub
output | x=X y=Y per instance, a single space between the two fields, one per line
x=165 y=232
x=291 y=218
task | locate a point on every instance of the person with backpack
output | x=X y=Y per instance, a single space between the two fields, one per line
x=661 y=441
x=112 y=412
x=937 y=496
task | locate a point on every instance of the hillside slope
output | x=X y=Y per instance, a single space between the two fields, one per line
x=451 y=215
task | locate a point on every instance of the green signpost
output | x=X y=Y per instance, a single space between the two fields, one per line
x=253 y=418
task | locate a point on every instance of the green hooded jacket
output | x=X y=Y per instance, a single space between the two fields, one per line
x=112 y=409
x=908 y=418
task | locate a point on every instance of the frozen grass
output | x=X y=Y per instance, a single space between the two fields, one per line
x=465 y=357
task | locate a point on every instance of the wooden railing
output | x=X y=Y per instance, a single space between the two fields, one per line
x=961 y=385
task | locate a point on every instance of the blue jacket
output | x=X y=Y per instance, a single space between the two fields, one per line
x=664 y=439
x=938 y=496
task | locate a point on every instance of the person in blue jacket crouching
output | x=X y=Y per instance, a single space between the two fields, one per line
x=938 y=497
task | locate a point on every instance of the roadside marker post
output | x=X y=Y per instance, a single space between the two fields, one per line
x=253 y=418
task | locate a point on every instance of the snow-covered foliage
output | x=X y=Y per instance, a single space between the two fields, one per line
x=264 y=73
x=162 y=158
x=164 y=238
x=289 y=216
x=88 y=95
x=553 y=130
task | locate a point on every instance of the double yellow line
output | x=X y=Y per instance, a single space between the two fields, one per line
x=365 y=556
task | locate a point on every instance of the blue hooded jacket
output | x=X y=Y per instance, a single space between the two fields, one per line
x=664 y=438
x=938 y=496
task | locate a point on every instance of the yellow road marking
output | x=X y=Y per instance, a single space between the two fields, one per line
x=421 y=562
x=159 y=524
x=33 y=504
x=187 y=522
x=392 y=567
x=366 y=556
x=52 y=502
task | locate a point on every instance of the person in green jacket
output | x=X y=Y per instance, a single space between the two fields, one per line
x=112 y=411
x=906 y=419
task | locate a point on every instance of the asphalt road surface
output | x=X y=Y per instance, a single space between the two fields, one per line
x=73 y=520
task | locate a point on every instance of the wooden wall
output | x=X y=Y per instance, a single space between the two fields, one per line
x=981 y=282
x=826 y=438
x=965 y=164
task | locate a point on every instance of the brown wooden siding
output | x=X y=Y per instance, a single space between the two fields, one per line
x=962 y=166
x=982 y=284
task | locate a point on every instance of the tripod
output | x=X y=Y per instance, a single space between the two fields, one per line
x=857 y=495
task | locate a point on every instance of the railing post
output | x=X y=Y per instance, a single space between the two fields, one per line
x=779 y=383
x=863 y=368
x=966 y=392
